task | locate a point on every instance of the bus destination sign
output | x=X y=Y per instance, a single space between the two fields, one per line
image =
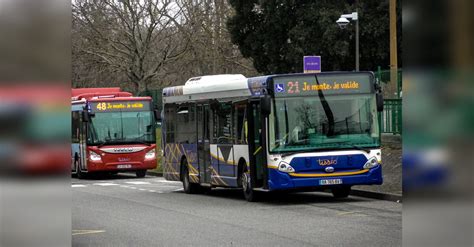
x=353 y=83
x=119 y=106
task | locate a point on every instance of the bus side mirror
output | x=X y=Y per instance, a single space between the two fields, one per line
x=266 y=105
x=379 y=99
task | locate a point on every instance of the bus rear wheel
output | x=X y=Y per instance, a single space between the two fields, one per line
x=141 y=173
x=246 y=181
x=189 y=188
x=341 y=192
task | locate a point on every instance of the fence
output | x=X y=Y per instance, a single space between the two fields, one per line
x=391 y=117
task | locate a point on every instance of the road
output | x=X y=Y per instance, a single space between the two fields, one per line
x=122 y=210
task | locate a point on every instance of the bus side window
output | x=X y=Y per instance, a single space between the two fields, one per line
x=240 y=123
x=170 y=122
x=76 y=125
x=185 y=125
x=224 y=124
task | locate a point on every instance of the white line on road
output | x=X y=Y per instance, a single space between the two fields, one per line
x=137 y=182
x=105 y=184
x=166 y=181
x=77 y=185
x=142 y=189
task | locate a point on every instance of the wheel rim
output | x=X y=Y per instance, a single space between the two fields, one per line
x=245 y=182
x=185 y=180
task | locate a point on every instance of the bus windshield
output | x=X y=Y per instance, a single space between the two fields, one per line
x=121 y=128
x=331 y=122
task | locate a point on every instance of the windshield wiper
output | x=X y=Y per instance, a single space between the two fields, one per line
x=142 y=142
x=361 y=148
x=289 y=153
x=102 y=144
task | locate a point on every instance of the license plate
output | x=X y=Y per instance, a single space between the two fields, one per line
x=330 y=181
x=123 y=166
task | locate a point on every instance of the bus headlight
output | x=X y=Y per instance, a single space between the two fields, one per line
x=94 y=156
x=285 y=167
x=371 y=163
x=150 y=155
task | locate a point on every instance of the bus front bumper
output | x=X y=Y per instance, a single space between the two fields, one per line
x=283 y=181
x=128 y=166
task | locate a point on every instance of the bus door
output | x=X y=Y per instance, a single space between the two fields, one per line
x=203 y=145
x=257 y=149
x=78 y=142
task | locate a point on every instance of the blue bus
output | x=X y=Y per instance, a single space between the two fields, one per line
x=301 y=132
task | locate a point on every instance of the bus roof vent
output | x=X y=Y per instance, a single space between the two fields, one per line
x=214 y=79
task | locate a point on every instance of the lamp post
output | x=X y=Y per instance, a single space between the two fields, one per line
x=343 y=21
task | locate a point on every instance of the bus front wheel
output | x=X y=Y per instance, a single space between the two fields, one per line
x=141 y=173
x=79 y=173
x=246 y=181
x=341 y=192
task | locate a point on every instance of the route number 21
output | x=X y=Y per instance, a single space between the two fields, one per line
x=293 y=87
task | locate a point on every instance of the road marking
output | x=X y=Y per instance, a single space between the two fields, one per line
x=77 y=185
x=353 y=213
x=142 y=189
x=152 y=191
x=166 y=181
x=179 y=189
x=134 y=188
x=83 y=232
x=105 y=184
x=137 y=182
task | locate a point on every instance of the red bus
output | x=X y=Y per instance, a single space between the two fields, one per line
x=112 y=131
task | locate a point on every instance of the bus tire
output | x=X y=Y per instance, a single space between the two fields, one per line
x=140 y=173
x=246 y=181
x=341 y=192
x=79 y=173
x=189 y=188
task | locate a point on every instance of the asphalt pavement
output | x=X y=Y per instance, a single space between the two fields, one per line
x=123 y=210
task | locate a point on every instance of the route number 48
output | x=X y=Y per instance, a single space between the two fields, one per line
x=102 y=106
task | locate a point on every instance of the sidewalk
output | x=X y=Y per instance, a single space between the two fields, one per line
x=391 y=167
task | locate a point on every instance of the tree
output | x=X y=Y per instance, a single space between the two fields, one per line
x=277 y=34
x=110 y=48
x=137 y=38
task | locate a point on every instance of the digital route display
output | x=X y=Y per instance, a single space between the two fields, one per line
x=120 y=106
x=329 y=84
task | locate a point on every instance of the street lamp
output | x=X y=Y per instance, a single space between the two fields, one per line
x=343 y=21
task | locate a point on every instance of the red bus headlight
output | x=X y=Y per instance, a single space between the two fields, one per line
x=94 y=156
x=150 y=155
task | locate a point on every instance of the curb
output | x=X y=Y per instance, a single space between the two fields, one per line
x=377 y=195
x=361 y=193
x=155 y=174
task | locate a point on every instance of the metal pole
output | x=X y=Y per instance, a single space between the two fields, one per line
x=357 y=44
